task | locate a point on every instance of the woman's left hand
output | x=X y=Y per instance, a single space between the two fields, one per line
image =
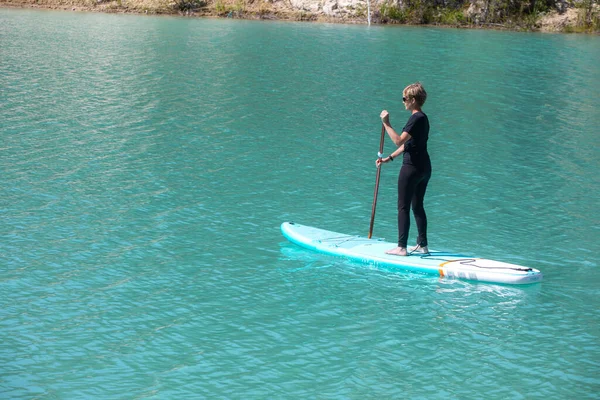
x=380 y=161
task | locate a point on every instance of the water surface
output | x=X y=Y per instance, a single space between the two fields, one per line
x=146 y=164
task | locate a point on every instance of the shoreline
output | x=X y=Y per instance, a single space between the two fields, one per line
x=553 y=22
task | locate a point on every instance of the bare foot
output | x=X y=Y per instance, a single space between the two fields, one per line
x=398 y=251
x=418 y=249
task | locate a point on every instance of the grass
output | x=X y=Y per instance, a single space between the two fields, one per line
x=445 y=16
x=588 y=21
x=391 y=13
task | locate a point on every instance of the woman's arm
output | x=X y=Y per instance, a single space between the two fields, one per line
x=398 y=140
x=397 y=152
x=392 y=156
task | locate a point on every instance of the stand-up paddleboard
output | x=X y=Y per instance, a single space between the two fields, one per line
x=372 y=251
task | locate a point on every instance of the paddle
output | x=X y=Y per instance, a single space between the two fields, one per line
x=377 y=181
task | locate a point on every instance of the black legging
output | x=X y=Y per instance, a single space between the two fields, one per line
x=412 y=184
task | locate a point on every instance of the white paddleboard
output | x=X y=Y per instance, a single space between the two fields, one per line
x=372 y=251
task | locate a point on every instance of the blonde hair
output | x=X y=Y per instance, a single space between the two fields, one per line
x=416 y=91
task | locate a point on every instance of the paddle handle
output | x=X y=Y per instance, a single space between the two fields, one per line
x=377 y=182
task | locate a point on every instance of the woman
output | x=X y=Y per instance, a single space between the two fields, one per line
x=416 y=168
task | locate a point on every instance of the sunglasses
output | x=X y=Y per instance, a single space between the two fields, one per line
x=404 y=99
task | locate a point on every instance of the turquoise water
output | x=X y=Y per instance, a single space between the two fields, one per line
x=146 y=164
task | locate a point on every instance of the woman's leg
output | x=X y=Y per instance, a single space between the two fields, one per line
x=407 y=182
x=419 y=210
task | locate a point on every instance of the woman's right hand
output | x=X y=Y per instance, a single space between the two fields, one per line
x=385 y=117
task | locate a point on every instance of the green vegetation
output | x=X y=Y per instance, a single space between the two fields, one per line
x=456 y=12
x=511 y=14
x=189 y=5
x=589 y=16
x=445 y=16
x=391 y=13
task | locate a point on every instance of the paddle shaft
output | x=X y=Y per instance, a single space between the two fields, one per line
x=377 y=182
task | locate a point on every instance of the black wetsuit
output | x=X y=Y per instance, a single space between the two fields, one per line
x=413 y=179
